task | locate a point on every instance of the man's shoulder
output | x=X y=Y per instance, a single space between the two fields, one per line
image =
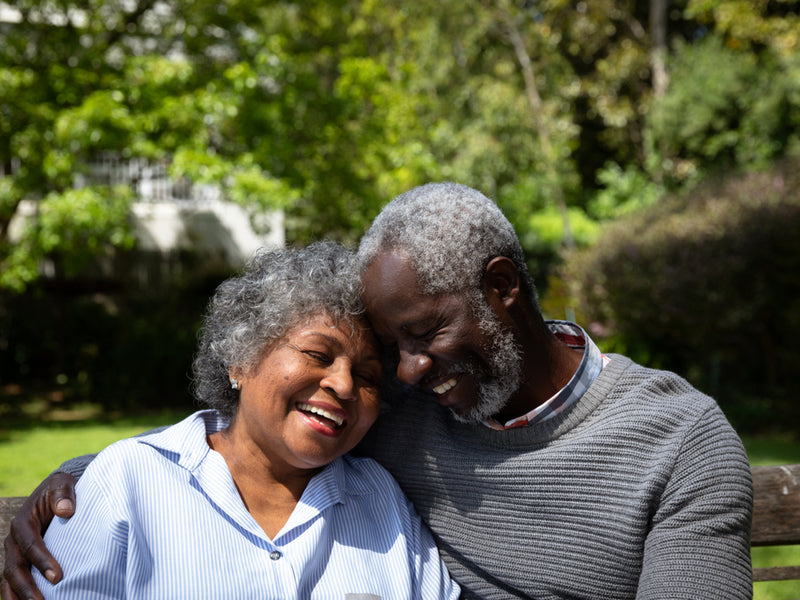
x=645 y=390
x=649 y=381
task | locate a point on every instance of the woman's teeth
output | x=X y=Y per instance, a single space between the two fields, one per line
x=446 y=386
x=321 y=412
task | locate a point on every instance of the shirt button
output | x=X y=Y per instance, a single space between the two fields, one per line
x=275 y=555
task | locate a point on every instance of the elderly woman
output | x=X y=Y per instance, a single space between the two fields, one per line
x=256 y=498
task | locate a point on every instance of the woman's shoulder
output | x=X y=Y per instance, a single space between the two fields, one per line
x=176 y=444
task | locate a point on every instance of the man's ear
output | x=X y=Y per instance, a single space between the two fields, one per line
x=501 y=282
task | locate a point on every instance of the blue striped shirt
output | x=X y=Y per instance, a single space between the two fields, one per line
x=159 y=516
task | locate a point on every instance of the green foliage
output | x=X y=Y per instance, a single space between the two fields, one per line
x=81 y=222
x=329 y=109
x=706 y=285
x=73 y=228
x=624 y=192
x=704 y=116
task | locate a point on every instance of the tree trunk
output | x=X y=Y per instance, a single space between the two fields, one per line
x=535 y=102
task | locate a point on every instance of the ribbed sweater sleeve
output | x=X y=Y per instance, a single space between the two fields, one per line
x=699 y=540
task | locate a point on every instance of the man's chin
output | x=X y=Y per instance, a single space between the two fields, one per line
x=464 y=412
x=468 y=418
x=493 y=399
x=475 y=414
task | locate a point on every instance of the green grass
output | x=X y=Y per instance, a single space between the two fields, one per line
x=30 y=452
x=776 y=556
x=30 y=449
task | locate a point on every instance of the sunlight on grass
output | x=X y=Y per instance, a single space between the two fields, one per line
x=775 y=590
x=773 y=450
x=28 y=455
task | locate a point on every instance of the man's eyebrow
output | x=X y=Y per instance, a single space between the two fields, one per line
x=427 y=321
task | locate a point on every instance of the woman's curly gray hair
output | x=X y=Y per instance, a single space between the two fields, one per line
x=277 y=290
x=450 y=233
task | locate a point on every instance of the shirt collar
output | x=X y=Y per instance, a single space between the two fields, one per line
x=591 y=364
x=185 y=444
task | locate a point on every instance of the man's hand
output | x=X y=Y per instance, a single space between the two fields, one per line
x=24 y=546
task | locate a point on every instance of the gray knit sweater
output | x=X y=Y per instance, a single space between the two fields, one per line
x=641 y=490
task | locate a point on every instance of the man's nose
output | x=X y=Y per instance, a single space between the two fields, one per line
x=413 y=366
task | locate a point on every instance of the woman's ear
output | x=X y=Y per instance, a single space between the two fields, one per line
x=235 y=377
x=501 y=282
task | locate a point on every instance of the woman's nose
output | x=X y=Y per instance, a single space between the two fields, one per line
x=339 y=380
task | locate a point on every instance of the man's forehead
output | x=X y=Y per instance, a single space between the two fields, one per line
x=389 y=269
x=393 y=258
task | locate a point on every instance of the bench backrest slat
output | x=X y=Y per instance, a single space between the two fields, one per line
x=9 y=507
x=776 y=505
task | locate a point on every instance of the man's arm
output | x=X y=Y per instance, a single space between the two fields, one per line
x=24 y=546
x=699 y=545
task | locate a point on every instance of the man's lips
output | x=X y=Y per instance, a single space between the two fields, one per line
x=443 y=387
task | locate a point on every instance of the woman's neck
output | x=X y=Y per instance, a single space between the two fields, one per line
x=268 y=495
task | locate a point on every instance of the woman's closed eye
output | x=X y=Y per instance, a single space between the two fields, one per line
x=320 y=357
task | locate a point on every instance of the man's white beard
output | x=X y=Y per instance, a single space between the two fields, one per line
x=505 y=363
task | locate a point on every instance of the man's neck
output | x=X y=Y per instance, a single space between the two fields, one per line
x=549 y=366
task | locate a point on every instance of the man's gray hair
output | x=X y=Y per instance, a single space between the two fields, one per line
x=277 y=290
x=450 y=233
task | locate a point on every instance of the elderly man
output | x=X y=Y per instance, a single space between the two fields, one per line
x=544 y=468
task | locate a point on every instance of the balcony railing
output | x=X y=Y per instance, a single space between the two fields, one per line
x=149 y=180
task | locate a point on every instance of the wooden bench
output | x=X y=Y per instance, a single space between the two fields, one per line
x=776 y=516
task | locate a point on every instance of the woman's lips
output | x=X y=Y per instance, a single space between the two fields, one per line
x=326 y=414
x=325 y=420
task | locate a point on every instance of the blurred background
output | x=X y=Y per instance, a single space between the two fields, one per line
x=647 y=153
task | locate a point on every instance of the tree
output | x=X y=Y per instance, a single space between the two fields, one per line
x=332 y=108
x=81 y=80
x=733 y=100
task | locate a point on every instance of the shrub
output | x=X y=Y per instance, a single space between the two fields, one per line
x=706 y=285
x=123 y=348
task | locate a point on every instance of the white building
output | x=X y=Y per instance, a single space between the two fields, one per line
x=179 y=227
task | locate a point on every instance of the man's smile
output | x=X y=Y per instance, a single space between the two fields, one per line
x=446 y=386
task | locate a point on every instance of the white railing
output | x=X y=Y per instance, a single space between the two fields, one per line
x=149 y=180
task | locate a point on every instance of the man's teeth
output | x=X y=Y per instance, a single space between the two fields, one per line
x=446 y=386
x=322 y=413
